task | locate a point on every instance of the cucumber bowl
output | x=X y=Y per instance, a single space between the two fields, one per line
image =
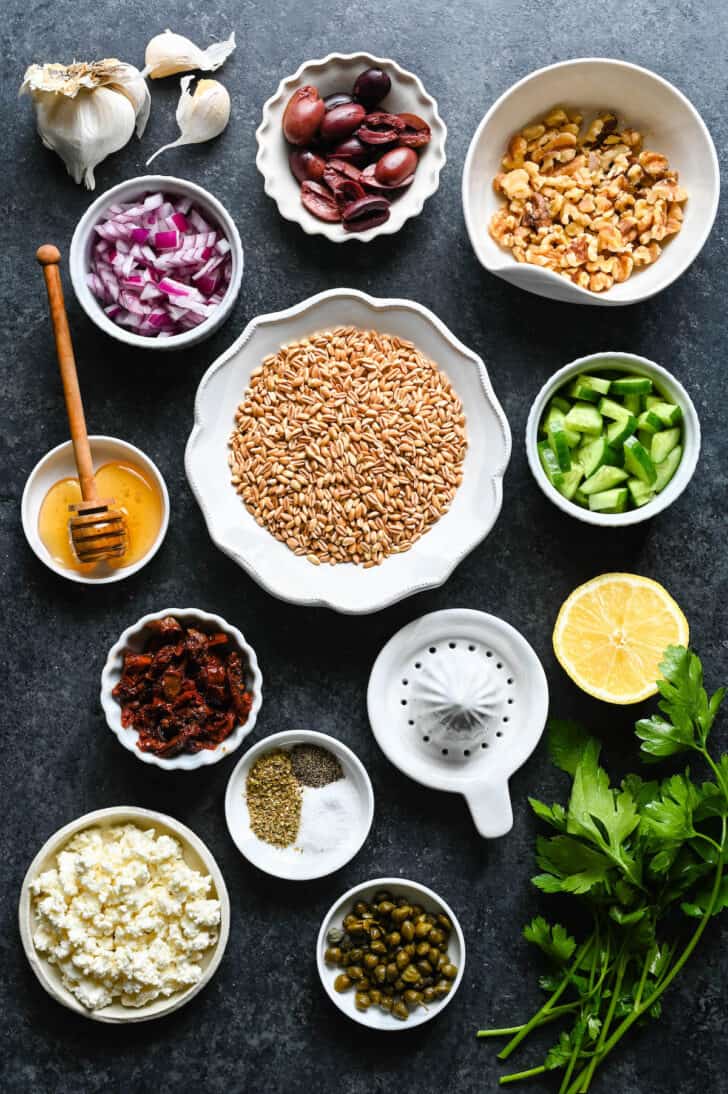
x=612 y=439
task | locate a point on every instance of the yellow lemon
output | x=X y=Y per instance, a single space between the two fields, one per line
x=611 y=633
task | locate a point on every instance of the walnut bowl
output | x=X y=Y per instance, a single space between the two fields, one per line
x=134 y=638
x=642 y=100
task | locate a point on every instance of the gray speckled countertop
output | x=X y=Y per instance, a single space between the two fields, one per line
x=264 y=1024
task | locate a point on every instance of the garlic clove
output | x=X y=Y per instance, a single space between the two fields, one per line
x=201 y=116
x=130 y=82
x=169 y=53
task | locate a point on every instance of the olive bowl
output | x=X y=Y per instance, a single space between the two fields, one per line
x=374 y=1017
x=336 y=73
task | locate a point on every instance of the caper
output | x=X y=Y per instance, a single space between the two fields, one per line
x=424 y=967
x=401 y=913
x=417 y=909
x=362 y=1001
x=449 y=971
x=428 y=995
x=374 y=933
x=380 y=974
x=334 y=936
x=408 y=930
x=364 y=984
x=354 y=972
x=413 y=998
x=442 y=960
x=355 y=955
x=427 y=982
x=342 y=982
x=399 y=985
x=383 y=897
x=422 y=928
x=422 y=949
x=375 y=995
x=370 y=960
x=332 y=955
x=360 y=908
x=411 y=975
x=442 y=987
x=430 y=919
x=436 y=937
x=401 y=959
x=385 y=1002
x=399 y=1010
x=385 y=907
x=409 y=949
x=402 y=901
x=378 y=947
x=445 y=921
x=350 y=921
x=393 y=939
x=392 y=972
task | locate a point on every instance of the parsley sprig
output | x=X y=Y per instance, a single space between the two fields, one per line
x=644 y=857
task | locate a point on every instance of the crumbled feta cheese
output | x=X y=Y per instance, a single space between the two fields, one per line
x=124 y=917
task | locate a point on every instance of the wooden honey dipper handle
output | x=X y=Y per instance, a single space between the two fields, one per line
x=49 y=258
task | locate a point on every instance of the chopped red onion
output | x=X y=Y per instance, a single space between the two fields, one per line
x=157 y=266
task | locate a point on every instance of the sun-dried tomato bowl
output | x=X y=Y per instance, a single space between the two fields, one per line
x=135 y=638
x=333 y=73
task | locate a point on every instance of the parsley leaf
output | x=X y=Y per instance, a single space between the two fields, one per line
x=572 y=866
x=670 y=818
x=566 y=744
x=689 y=712
x=555 y=815
x=554 y=941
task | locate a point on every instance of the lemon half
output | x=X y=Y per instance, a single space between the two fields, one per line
x=611 y=633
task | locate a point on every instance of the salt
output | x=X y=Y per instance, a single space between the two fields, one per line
x=329 y=817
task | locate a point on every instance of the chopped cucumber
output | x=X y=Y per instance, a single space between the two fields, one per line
x=638 y=462
x=589 y=388
x=633 y=403
x=668 y=413
x=560 y=447
x=584 y=418
x=618 y=432
x=640 y=492
x=667 y=468
x=663 y=444
x=570 y=481
x=603 y=479
x=609 y=501
x=555 y=420
x=613 y=410
x=631 y=385
x=649 y=422
x=550 y=464
x=592 y=454
x=561 y=404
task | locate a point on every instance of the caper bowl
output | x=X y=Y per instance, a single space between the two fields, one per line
x=391 y=890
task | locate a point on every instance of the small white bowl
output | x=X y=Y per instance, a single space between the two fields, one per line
x=195 y=853
x=287 y=862
x=346 y=587
x=83 y=238
x=135 y=638
x=375 y=1018
x=642 y=99
x=337 y=72
x=666 y=384
x=59 y=464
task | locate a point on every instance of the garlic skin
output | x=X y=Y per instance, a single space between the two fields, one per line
x=201 y=115
x=170 y=53
x=84 y=112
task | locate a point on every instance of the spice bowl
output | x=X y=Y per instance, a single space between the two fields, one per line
x=59 y=464
x=84 y=236
x=331 y=74
x=134 y=638
x=641 y=99
x=335 y=817
x=664 y=383
x=195 y=854
x=414 y=892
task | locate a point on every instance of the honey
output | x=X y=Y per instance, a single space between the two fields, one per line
x=134 y=492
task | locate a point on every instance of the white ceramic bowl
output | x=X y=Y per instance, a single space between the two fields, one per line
x=346 y=587
x=375 y=1018
x=288 y=862
x=196 y=854
x=59 y=464
x=83 y=238
x=135 y=638
x=646 y=102
x=337 y=72
x=666 y=384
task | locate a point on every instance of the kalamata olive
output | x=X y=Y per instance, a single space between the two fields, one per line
x=371 y=86
x=303 y=115
x=345 y=167
x=320 y=201
x=367 y=212
x=380 y=128
x=351 y=149
x=340 y=122
x=345 y=190
x=306 y=165
x=395 y=166
x=337 y=100
x=416 y=132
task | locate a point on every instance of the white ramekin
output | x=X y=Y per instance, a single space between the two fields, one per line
x=666 y=384
x=642 y=99
x=134 y=638
x=196 y=854
x=83 y=238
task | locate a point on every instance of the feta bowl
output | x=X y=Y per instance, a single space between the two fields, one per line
x=195 y=855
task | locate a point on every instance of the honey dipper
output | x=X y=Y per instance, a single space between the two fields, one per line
x=98 y=530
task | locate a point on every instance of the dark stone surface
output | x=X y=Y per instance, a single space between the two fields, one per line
x=264 y=1024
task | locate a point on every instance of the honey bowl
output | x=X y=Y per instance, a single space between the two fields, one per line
x=123 y=472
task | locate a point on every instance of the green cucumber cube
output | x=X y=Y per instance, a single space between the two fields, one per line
x=638 y=462
x=603 y=479
x=580 y=498
x=560 y=447
x=667 y=468
x=633 y=403
x=619 y=431
x=570 y=481
x=649 y=422
x=561 y=404
x=640 y=492
x=663 y=444
x=584 y=418
x=588 y=388
x=613 y=410
x=609 y=501
x=668 y=413
x=631 y=385
x=550 y=464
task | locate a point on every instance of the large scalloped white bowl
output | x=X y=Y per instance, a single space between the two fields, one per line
x=346 y=587
x=337 y=72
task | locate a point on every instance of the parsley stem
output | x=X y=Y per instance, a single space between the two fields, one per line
x=548 y=1005
x=588 y=1074
x=518 y=1075
x=508 y=1031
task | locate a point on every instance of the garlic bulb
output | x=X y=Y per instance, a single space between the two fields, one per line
x=169 y=53
x=201 y=115
x=84 y=112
